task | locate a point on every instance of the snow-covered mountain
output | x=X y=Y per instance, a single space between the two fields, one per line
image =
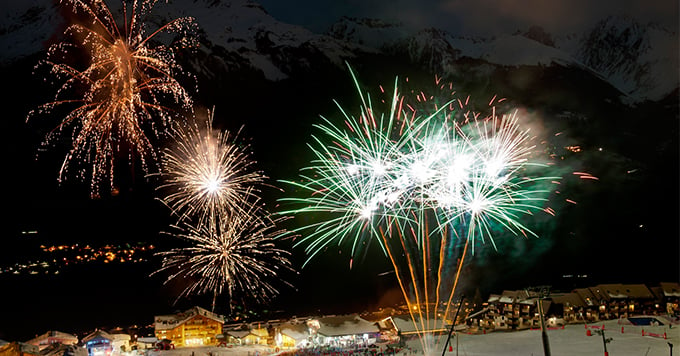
x=240 y=32
x=244 y=30
x=640 y=61
x=26 y=27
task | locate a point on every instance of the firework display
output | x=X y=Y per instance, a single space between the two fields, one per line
x=119 y=97
x=428 y=181
x=207 y=172
x=211 y=186
x=234 y=253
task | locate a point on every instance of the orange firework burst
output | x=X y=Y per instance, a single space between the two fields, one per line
x=119 y=94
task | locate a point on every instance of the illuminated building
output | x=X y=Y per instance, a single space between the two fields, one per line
x=194 y=327
x=102 y=343
x=99 y=343
x=292 y=335
x=670 y=295
x=18 y=349
x=53 y=337
x=256 y=336
x=343 y=331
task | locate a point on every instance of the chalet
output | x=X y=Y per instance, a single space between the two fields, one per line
x=99 y=343
x=58 y=349
x=669 y=297
x=292 y=335
x=343 y=330
x=193 y=327
x=591 y=307
x=53 y=337
x=621 y=300
x=258 y=335
x=513 y=310
x=569 y=306
x=234 y=334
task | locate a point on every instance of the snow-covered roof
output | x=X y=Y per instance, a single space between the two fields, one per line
x=514 y=296
x=670 y=289
x=120 y=336
x=341 y=325
x=58 y=349
x=622 y=291
x=239 y=334
x=97 y=334
x=493 y=298
x=588 y=297
x=147 y=340
x=405 y=324
x=53 y=334
x=571 y=299
x=295 y=331
x=477 y=313
x=386 y=323
x=166 y=322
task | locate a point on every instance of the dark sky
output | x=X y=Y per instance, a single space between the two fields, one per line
x=475 y=17
x=625 y=233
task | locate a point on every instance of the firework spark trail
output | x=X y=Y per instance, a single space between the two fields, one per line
x=208 y=173
x=235 y=253
x=472 y=175
x=119 y=94
x=213 y=189
x=362 y=166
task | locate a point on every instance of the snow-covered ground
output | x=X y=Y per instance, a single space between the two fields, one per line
x=572 y=340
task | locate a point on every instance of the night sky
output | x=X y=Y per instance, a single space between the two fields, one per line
x=625 y=229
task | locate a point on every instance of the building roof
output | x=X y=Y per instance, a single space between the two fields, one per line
x=44 y=338
x=386 y=324
x=587 y=295
x=295 y=331
x=570 y=299
x=59 y=349
x=405 y=324
x=171 y=321
x=239 y=334
x=147 y=340
x=670 y=289
x=621 y=291
x=97 y=334
x=514 y=296
x=341 y=325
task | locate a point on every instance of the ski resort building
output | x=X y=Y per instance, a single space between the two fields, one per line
x=53 y=337
x=194 y=327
